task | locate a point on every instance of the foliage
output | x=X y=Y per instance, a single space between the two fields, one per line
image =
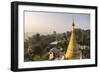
x=37 y=46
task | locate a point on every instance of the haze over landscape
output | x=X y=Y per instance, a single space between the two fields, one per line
x=47 y=22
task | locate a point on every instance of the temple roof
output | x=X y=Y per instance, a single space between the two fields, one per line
x=55 y=50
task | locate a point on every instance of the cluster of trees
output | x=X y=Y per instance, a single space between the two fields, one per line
x=36 y=47
x=83 y=37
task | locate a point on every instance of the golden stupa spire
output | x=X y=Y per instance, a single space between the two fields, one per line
x=72 y=51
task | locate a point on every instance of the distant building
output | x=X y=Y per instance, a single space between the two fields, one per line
x=85 y=51
x=54 y=53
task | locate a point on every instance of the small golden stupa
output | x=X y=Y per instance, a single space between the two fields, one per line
x=73 y=52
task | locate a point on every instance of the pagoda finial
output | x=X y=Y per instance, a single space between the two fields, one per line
x=73 y=24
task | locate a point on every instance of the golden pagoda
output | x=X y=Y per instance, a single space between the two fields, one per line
x=73 y=51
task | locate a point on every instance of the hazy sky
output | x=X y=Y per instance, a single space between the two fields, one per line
x=47 y=22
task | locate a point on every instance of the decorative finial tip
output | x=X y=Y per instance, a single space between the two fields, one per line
x=73 y=24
